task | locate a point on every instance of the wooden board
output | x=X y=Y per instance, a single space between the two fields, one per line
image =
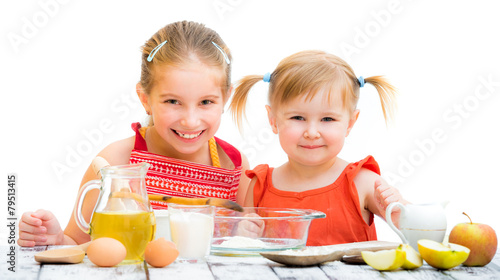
x=316 y=255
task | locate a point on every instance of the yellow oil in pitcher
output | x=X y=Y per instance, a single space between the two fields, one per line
x=133 y=229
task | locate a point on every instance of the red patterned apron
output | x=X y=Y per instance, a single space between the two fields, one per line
x=174 y=177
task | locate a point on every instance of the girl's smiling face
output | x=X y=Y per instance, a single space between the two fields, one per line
x=186 y=104
x=312 y=132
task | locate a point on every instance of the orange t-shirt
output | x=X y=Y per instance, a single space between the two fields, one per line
x=339 y=201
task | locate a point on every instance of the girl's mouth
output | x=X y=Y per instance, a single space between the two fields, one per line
x=311 y=147
x=188 y=135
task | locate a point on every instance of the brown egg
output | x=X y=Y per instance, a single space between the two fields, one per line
x=106 y=252
x=160 y=252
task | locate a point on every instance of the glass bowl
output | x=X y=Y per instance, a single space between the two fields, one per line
x=278 y=229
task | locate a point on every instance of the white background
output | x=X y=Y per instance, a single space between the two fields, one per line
x=70 y=67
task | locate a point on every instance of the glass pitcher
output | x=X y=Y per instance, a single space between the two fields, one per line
x=122 y=211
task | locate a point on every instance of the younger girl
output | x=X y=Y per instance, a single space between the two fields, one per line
x=185 y=82
x=312 y=97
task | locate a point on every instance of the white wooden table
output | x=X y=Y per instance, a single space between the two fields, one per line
x=221 y=267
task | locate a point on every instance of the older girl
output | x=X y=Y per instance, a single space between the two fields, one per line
x=185 y=82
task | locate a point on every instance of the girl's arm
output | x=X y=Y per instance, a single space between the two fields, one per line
x=249 y=195
x=375 y=194
x=72 y=231
x=254 y=228
x=117 y=153
x=241 y=195
x=43 y=228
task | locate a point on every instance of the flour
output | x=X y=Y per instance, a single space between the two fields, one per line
x=308 y=251
x=243 y=242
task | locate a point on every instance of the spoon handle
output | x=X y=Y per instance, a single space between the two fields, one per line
x=182 y=200
x=198 y=201
x=82 y=246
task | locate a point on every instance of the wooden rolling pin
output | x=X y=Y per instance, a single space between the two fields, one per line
x=100 y=162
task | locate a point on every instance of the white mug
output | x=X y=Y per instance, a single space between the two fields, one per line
x=419 y=221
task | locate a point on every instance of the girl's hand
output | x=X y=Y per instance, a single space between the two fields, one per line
x=39 y=228
x=385 y=195
x=250 y=228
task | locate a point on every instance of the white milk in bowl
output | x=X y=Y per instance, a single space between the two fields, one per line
x=191 y=229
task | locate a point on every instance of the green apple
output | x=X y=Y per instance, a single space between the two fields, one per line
x=442 y=256
x=385 y=259
x=481 y=239
x=413 y=259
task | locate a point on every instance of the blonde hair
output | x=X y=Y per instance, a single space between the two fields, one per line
x=185 y=41
x=306 y=73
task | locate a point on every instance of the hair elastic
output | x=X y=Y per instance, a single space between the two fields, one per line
x=223 y=52
x=267 y=77
x=361 y=81
x=155 y=50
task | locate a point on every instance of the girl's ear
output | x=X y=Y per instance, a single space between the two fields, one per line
x=272 y=119
x=143 y=97
x=352 y=121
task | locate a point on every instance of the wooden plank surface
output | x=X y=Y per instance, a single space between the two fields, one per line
x=233 y=268
x=252 y=267
x=340 y=270
x=26 y=267
x=87 y=270
x=479 y=273
x=425 y=272
x=312 y=273
x=178 y=270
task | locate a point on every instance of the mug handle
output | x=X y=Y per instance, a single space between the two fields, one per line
x=80 y=221
x=388 y=215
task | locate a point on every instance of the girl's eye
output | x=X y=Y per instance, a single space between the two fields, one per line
x=299 y=118
x=171 y=101
x=206 y=102
x=328 y=119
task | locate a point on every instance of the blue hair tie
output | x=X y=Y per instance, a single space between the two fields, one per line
x=361 y=81
x=155 y=50
x=267 y=77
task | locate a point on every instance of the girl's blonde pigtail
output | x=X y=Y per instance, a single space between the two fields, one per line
x=238 y=103
x=387 y=94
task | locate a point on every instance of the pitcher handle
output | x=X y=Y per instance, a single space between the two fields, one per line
x=388 y=215
x=80 y=221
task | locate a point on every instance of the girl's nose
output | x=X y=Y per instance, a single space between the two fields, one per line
x=311 y=132
x=190 y=119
